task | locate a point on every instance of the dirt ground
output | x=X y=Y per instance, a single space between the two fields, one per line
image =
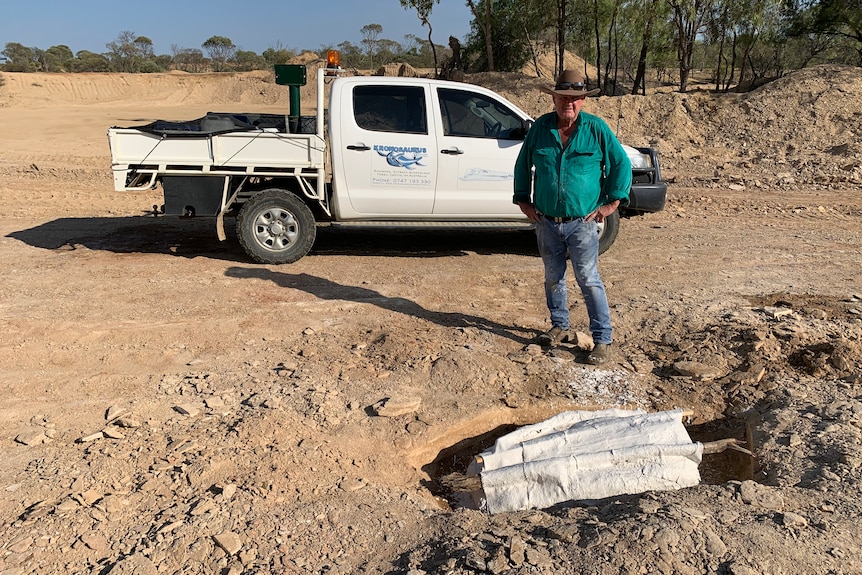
x=170 y=407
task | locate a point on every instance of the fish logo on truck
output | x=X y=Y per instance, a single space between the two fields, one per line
x=402 y=157
x=404 y=167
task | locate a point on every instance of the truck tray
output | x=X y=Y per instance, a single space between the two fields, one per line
x=232 y=144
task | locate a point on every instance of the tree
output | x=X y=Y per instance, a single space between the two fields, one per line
x=423 y=11
x=652 y=9
x=56 y=58
x=351 y=55
x=20 y=58
x=688 y=18
x=144 y=47
x=247 y=60
x=86 y=61
x=220 y=50
x=124 y=54
x=483 y=18
x=562 y=26
x=832 y=18
x=370 y=33
x=277 y=54
x=190 y=60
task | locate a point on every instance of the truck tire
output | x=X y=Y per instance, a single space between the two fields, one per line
x=608 y=231
x=276 y=227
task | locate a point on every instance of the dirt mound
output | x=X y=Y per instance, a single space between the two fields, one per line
x=39 y=90
x=801 y=130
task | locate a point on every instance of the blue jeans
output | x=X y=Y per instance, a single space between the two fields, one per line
x=580 y=239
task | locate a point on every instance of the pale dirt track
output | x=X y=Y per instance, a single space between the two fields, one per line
x=253 y=445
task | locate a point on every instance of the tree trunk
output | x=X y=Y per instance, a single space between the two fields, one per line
x=561 y=37
x=640 y=75
x=718 y=73
x=598 y=43
x=485 y=23
x=431 y=43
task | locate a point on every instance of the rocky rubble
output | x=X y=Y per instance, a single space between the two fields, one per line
x=204 y=477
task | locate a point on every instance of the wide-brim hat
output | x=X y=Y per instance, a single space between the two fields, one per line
x=571 y=83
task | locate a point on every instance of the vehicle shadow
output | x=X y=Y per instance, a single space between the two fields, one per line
x=196 y=237
x=326 y=289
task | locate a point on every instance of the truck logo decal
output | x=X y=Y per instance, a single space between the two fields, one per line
x=402 y=157
x=483 y=175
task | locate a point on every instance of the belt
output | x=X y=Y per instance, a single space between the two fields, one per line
x=557 y=220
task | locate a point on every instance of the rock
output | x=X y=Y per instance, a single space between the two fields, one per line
x=539 y=558
x=517 y=551
x=352 y=484
x=20 y=545
x=228 y=491
x=758 y=495
x=395 y=406
x=92 y=437
x=666 y=538
x=96 y=541
x=498 y=563
x=136 y=564
x=31 y=437
x=582 y=341
x=714 y=545
x=229 y=541
x=523 y=357
x=127 y=422
x=114 y=412
x=112 y=432
x=777 y=312
x=697 y=370
x=187 y=409
x=790 y=519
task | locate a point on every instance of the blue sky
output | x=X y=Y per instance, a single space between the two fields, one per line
x=251 y=24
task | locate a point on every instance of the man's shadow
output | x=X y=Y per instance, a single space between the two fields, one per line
x=329 y=290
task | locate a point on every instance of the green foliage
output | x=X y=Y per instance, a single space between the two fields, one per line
x=190 y=60
x=277 y=55
x=56 y=59
x=509 y=41
x=731 y=43
x=370 y=35
x=86 y=61
x=245 y=61
x=838 y=21
x=220 y=50
x=20 y=58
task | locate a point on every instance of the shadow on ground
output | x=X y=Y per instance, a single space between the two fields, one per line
x=195 y=237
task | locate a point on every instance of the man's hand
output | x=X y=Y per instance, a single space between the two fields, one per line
x=529 y=210
x=604 y=211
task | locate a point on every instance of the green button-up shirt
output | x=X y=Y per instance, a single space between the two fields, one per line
x=592 y=170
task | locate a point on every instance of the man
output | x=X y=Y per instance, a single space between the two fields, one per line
x=582 y=174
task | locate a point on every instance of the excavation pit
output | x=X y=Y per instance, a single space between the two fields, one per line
x=447 y=466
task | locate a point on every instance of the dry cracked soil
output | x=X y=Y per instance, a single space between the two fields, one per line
x=170 y=407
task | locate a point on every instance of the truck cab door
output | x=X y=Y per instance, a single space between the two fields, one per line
x=388 y=168
x=479 y=140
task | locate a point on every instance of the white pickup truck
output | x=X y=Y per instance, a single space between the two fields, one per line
x=402 y=152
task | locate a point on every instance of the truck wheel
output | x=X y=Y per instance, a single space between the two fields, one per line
x=608 y=231
x=276 y=227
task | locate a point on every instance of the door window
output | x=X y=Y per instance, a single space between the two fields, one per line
x=390 y=109
x=473 y=115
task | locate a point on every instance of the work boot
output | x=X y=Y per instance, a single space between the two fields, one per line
x=600 y=354
x=553 y=336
